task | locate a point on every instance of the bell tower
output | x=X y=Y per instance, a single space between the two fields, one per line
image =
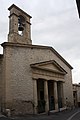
x=19 y=26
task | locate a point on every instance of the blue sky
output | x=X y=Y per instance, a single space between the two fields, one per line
x=54 y=23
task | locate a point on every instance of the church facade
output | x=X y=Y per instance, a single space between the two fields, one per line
x=34 y=79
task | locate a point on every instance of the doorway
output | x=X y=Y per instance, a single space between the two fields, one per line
x=59 y=95
x=41 y=101
x=51 y=95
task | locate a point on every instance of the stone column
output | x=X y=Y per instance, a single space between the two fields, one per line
x=55 y=95
x=46 y=96
x=35 y=96
x=62 y=94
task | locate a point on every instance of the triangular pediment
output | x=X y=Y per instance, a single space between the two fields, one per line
x=51 y=65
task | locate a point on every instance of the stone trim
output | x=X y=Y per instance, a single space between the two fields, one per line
x=38 y=65
x=48 y=70
x=47 y=75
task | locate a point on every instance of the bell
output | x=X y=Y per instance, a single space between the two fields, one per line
x=20 y=28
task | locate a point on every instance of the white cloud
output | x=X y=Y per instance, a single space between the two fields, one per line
x=54 y=23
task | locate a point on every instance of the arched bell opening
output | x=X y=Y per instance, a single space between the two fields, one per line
x=21 y=24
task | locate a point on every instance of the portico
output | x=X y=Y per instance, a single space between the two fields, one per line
x=48 y=86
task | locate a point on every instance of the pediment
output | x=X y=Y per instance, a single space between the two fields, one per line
x=51 y=65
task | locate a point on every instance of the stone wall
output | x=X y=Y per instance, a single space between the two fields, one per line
x=1 y=84
x=20 y=107
x=18 y=73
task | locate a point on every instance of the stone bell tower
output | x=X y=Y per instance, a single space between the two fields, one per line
x=19 y=26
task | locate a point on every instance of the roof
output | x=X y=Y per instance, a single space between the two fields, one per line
x=14 y=6
x=38 y=47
